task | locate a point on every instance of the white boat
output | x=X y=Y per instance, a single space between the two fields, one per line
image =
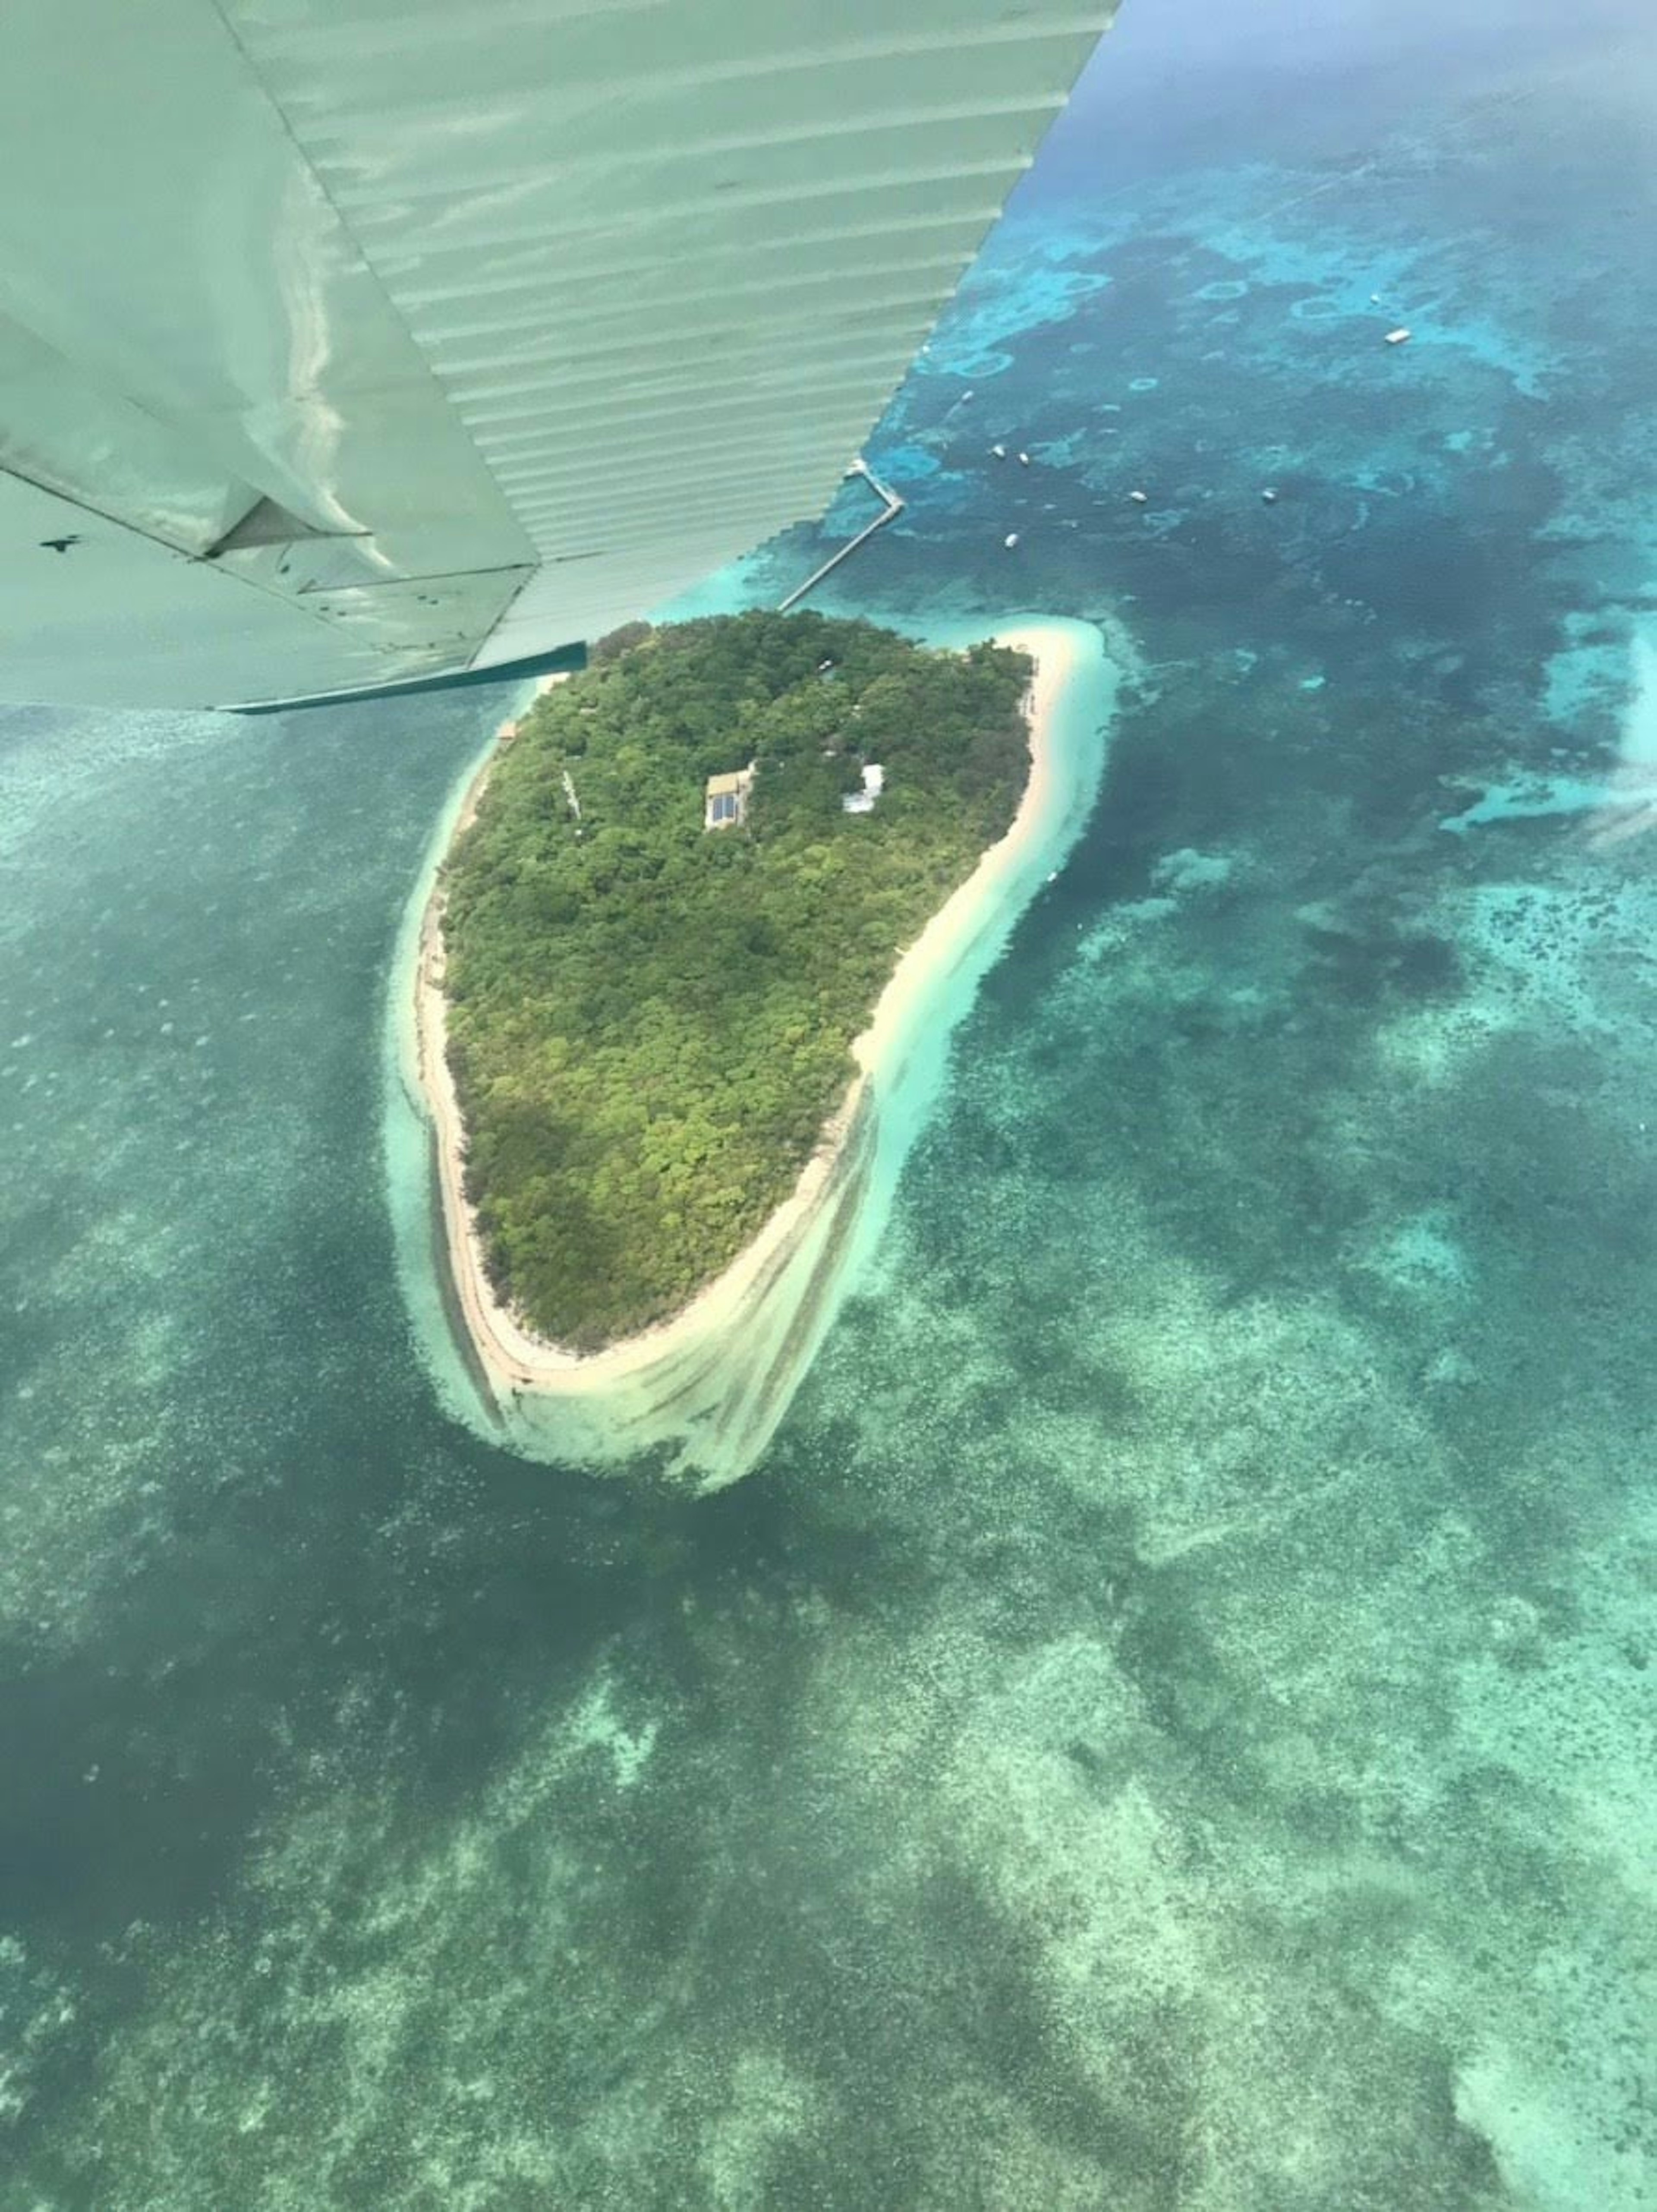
x=1399 y=338
x=1010 y=540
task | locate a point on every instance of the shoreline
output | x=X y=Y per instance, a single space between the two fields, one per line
x=715 y=1377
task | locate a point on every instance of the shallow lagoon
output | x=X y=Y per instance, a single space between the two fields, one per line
x=1168 y=1724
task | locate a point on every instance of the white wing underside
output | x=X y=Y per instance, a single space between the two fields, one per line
x=347 y=342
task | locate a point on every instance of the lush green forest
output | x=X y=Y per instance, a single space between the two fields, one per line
x=650 y=1022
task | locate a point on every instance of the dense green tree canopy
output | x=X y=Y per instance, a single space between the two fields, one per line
x=650 y=1023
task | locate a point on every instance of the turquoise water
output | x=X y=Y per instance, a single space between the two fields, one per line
x=1168 y=1723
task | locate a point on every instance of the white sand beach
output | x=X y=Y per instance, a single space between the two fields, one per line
x=712 y=1381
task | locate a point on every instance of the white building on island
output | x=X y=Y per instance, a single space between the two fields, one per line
x=874 y=782
x=725 y=802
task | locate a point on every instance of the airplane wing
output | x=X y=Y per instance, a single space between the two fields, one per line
x=343 y=343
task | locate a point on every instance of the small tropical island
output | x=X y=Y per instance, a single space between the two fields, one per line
x=683 y=963
x=690 y=876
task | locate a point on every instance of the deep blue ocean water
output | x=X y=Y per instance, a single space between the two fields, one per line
x=1169 y=1726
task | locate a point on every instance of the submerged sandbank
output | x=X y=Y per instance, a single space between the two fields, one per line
x=705 y=1390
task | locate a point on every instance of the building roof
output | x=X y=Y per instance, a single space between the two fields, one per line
x=874 y=782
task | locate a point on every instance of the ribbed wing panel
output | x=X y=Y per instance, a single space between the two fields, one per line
x=587 y=295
